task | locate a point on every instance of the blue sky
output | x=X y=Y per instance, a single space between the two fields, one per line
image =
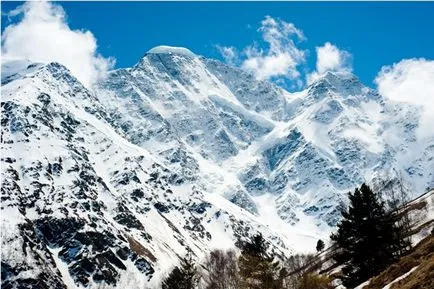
x=375 y=34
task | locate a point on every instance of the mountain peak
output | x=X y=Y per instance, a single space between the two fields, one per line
x=334 y=76
x=163 y=49
x=345 y=83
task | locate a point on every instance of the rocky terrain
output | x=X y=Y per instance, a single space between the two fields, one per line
x=107 y=188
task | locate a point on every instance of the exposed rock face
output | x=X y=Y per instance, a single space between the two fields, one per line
x=108 y=188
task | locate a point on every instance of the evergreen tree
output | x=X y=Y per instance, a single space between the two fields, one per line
x=175 y=277
x=366 y=237
x=257 y=270
x=183 y=277
x=320 y=245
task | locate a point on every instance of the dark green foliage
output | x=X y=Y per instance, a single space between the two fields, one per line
x=320 y=245
x=174 y=278
x=257 y=270
x=255 y=247
x=367 y=237
x=183 y=277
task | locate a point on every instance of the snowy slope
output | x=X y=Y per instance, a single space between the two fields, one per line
x=93 y=204
x=108 y=188
x=334 y=135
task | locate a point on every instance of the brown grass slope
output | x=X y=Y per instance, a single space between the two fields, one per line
x=422 y=255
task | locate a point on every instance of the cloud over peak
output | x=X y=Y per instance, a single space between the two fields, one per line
x=229 y=53
x=43 y=35
x=282 y=56
x=330 y=58
x=279 y=59
x=411 y=81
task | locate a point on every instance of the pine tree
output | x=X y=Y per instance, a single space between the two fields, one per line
x=174 y=279
x=366 y=237
x=183 y=277
x=320 y=245
x=257 y=270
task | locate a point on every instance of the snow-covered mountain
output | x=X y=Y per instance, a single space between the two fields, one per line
x=108 y=188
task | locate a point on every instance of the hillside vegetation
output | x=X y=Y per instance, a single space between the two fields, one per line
x=422 y=257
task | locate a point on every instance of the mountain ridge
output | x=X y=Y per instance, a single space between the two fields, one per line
x=184 y=153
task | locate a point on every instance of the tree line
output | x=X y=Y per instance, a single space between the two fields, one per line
x=372 y=234
x=254 y=268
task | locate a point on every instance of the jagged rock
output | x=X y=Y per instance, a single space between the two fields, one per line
x=179 y=152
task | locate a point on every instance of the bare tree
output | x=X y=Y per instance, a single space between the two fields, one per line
x=221 y=270
x=395 y=194
x=403 y=217
x=297 y=266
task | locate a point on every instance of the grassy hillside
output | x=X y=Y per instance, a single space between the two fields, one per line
x=422 y=257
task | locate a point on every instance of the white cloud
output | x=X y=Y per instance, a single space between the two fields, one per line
x=282 y=57
x=229 y=53
x=43 y=35
x=279 y=60
x=330 y=58
x=411 y=81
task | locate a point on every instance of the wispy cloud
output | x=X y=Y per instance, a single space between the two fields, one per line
x=229 y=53
x=411 y=81
x=330 y=58
x=280 y=58
x=43 y=35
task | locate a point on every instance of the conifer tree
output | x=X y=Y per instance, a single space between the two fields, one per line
x=257 y=270
x=366 y=237
x=183 y=277
x=320 y=245
x=174 y=278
